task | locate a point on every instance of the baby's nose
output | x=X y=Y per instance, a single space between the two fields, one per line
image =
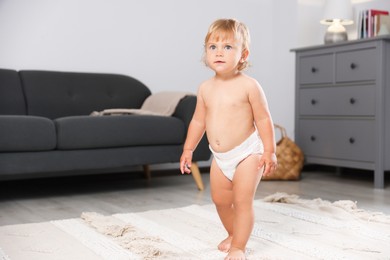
x=219 y=52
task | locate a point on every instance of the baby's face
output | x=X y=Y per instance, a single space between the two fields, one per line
x=223 y=53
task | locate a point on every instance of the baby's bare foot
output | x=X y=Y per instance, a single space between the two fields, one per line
x=224 y=246
x=235 y=254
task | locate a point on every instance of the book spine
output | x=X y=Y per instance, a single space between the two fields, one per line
x=359 y=26
x=365 y=31
x=368 y=24
x=375 y=25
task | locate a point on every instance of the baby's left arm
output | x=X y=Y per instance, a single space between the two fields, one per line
x=263 y=121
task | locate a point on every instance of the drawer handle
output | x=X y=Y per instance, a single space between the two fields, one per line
x=312 y=138
x=353 y=66
x=313 y=101
x=351 y=140
x=314 y=70
x=352 y=101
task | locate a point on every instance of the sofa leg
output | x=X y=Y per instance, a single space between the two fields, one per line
x=147 y=172
x=197 y=177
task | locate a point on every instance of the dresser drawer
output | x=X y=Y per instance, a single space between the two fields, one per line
x=338 y=139
x=356 y=65
x=316 y=69
x=347 y=101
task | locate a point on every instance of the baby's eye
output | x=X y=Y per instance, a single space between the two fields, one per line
x=212 y=47
x=228 y=47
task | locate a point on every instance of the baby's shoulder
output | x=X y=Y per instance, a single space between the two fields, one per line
x=205 y=85
x=249 y=82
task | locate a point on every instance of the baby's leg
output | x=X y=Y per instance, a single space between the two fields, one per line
x=222 y=195
x=245 y=182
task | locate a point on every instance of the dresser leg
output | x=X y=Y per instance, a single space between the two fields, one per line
x=379 y=179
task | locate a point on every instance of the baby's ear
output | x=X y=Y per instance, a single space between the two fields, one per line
x=244 y=55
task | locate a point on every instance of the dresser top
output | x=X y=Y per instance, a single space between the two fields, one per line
x=377 y=38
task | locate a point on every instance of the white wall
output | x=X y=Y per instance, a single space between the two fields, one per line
x=160 y=42
x=311 y=32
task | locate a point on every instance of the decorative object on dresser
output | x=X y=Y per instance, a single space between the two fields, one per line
x=337 y=13
x=343 y=105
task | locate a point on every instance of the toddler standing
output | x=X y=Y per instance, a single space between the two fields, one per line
x=233 y=111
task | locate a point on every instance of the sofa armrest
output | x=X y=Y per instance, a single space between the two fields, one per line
x=185 y=110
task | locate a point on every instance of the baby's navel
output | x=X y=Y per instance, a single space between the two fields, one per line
x=217 y=142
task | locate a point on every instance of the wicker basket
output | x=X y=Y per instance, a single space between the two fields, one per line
x=290 y=159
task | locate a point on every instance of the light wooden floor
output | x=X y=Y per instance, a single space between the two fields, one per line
x=60 y=198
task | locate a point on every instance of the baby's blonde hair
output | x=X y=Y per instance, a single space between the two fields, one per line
x=227 y=27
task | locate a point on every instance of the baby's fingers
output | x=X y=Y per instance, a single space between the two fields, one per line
x=182 y=166
x=185 y=167
x=270 y=168
x=267 y=169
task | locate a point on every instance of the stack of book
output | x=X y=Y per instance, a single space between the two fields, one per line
x=372 y=23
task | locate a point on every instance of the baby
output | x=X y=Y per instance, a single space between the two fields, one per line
x=233 y=111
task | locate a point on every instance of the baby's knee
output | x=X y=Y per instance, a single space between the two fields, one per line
x=243 y=203
x=219 y=201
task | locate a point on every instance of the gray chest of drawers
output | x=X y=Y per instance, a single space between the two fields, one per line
x=343 y=105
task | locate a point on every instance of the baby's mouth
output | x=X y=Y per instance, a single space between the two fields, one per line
x=219 y=61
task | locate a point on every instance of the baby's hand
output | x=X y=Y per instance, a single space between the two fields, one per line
x=186 y=161
x=269 y=161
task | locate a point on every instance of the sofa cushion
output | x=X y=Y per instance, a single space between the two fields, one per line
x=88 y=132
x=26 y=133
x=56 y=94
x=11 y=94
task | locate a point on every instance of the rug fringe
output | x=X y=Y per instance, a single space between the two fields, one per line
x=3 y=256
x=347 y=205
x=106 y=224
x=127 y=236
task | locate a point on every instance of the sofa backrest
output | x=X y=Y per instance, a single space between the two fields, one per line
x=11 y=94
x=55 y=94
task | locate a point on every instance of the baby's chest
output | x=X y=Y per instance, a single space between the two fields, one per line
x=227 y=104
x=226 y=99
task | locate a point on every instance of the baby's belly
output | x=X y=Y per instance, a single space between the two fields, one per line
x=223 y=138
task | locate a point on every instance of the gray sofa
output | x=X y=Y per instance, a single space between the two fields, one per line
x=46 y=128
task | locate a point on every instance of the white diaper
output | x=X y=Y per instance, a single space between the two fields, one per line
x=229 y=161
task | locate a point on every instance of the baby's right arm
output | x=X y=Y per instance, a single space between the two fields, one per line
x=195 y=132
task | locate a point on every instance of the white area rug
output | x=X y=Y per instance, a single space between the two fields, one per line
x=287 y=227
